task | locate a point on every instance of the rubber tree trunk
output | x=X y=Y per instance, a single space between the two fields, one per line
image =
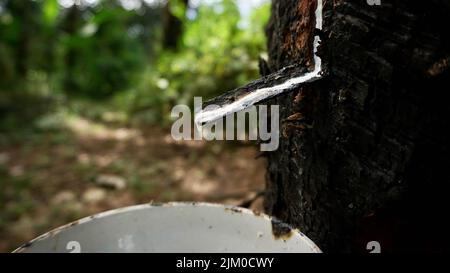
x=369 y=158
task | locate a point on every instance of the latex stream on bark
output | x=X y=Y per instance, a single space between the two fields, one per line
x=261 y=89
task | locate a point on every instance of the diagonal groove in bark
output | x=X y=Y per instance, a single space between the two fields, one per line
x=277 y=83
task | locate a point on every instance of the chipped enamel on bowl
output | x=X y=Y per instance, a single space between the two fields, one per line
x=172 y=227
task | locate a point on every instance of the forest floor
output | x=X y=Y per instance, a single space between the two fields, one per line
x=50 y=178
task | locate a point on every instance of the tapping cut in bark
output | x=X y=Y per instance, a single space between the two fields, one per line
x=286 y=79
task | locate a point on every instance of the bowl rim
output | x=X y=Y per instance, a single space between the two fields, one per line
x=236 y=209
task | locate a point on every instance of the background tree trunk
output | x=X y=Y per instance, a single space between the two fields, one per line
x=373 y=163
x=172 y=26
x=71 y=26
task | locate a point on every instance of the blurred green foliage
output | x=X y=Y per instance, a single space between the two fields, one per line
x=56 y=54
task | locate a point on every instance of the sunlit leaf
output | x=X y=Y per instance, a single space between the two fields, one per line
x=50 y=11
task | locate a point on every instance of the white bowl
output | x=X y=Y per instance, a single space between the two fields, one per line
x=173 y=227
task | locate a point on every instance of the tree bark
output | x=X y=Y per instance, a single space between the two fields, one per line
x=373 y=163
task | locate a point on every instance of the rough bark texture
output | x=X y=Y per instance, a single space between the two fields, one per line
x=374 y=160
